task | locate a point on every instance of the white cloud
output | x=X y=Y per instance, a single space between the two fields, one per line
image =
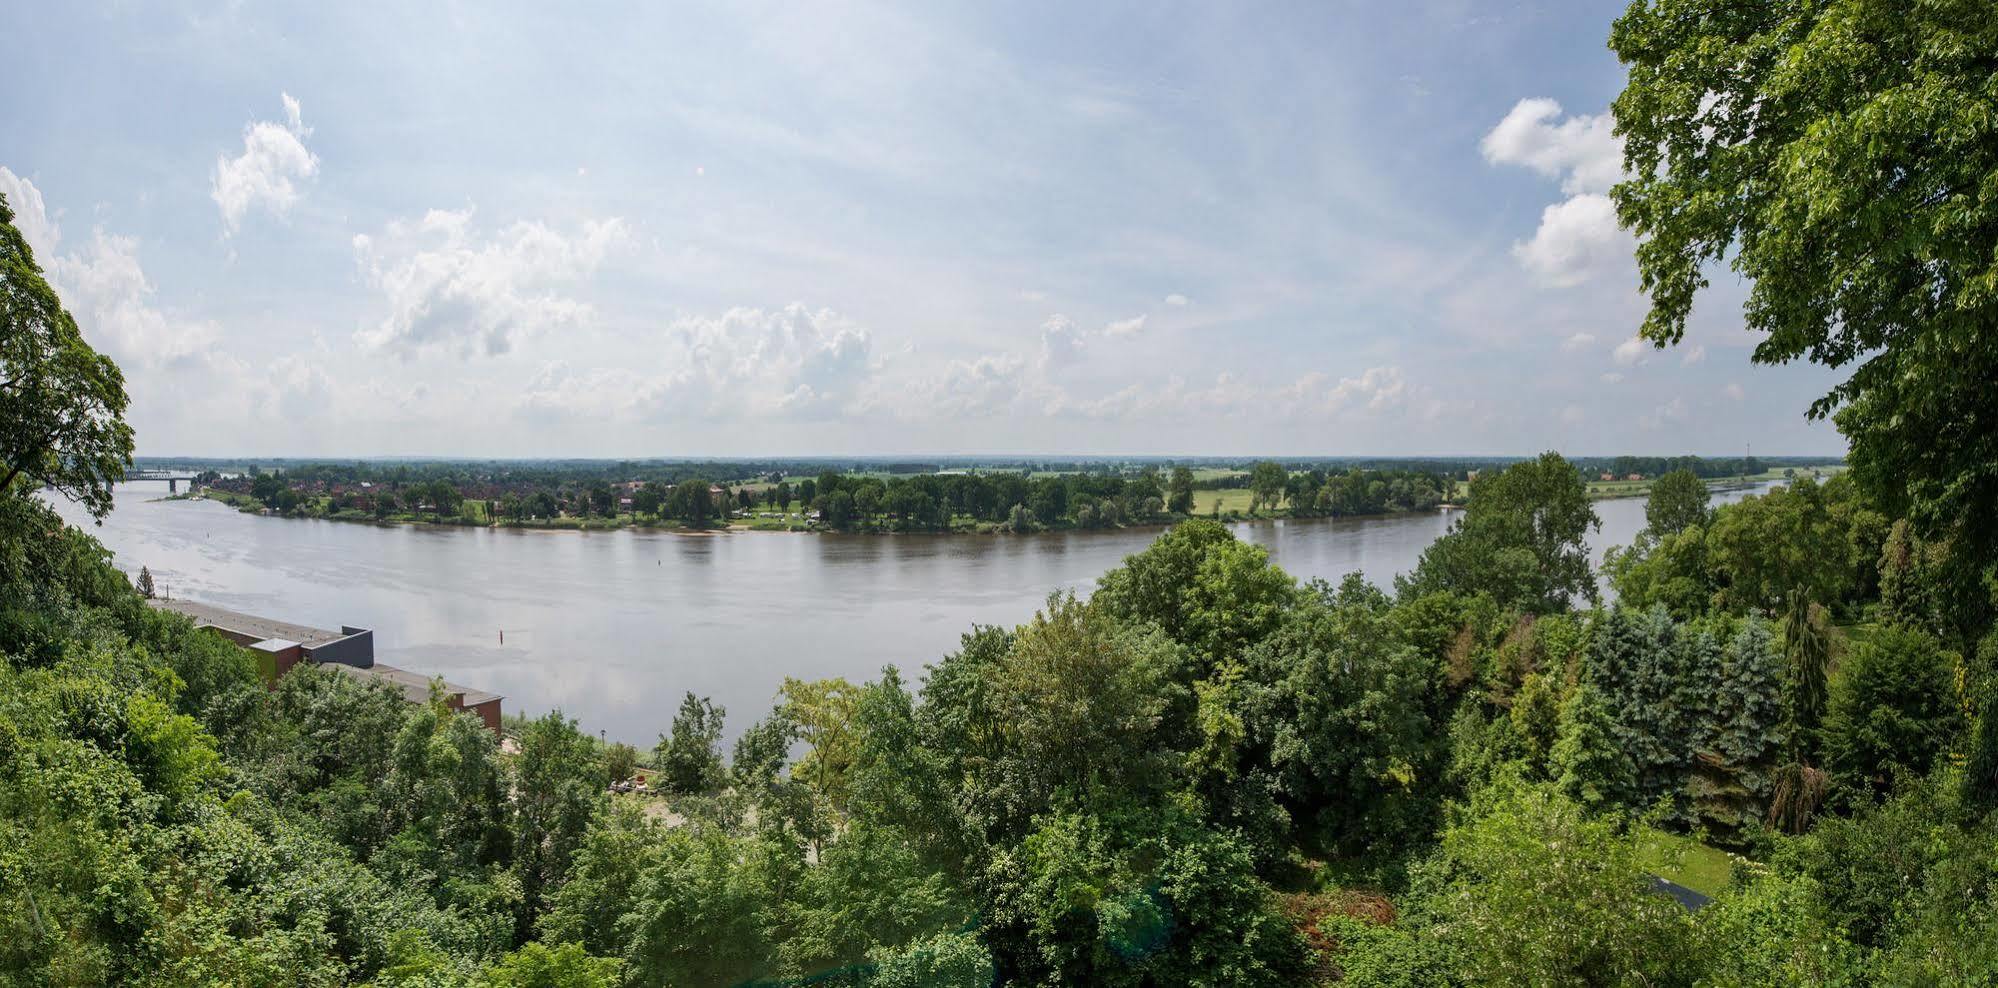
x=31 y=215
x=1734 y=391
x=1378 y=388
x=985 y=385
x=448 y=287
x=1577 y=342
x=1670 y=413
x=1061 y=342
x=1578 y=239
x=106 y=289
x=274 y=154
x=1573 y=415
x=1125 y=327
x=1693 y=356
x=1612 y=378
x=745 y=364
x=777 y=362
x=1176 y=300
x=1581 y=151
x=1630 y=351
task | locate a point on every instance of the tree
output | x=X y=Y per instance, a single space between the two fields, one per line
x=1205 y=588
x=1808 y=638
x=822 y=713
x=620 y=761
x=1537 y=892
x=1522 y=540
x=1179 y=492
x=559 y=784
x=62 y=404
x=566 y=966
x=1075 y=702
x=689 y=759
x=692 y=502
x=1638 y=663
x=1837 y=156
x=1340 y=718
x=1893 y=710
x=1588 y=762
x=1266 y=484
x=1678 y=501
x=145 y=584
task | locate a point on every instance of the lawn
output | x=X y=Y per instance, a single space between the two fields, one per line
x=1232 y=500
x=1706 y=870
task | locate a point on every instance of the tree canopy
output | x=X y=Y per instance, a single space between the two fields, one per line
x=62 y=404
x=1842 y=156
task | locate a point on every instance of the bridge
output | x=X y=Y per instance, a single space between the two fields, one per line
x=173 y=480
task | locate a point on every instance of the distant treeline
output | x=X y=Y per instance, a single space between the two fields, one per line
x=933 y=502
x=532 y=473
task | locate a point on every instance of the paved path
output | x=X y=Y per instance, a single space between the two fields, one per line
x=1693 y=901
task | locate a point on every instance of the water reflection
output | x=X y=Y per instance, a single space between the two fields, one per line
x=613 y=626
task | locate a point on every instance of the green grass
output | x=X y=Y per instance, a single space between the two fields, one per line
x=1233 y=500
x=1706 y=870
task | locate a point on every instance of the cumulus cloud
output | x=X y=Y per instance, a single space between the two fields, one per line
x=1578 y=238
x=1573 y=415
x=985 y=385
x=1176 y=300
x=1061 y=342
x=1670 y=413
x=1734 y=391
x=1581 y=151
x=448 y=286
x=105 y=287
x=1630 y=351
x=1693 y=356
x=1612 y=377
x=274 y=157
x=1313 y=396
x=31 y=215
x=1125 y=327
x=1377 y=389
x=1577 y=342
x=744 y=364
x=776 y=362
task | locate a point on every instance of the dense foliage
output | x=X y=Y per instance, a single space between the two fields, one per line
x=1203 y=774
x=1841 y=156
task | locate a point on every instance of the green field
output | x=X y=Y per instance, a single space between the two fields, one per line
x=1233 y=500
x=1706 y=870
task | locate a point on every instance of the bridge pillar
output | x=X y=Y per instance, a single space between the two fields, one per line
x=173 y=486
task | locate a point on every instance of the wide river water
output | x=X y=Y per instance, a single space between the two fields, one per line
x=593 y=629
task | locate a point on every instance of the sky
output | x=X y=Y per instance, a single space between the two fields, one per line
x=488 y=229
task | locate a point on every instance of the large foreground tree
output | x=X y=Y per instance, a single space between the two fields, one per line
x=62 y=404
x=1842 y=155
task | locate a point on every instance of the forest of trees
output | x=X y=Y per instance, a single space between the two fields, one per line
x=844 y=502
x=1204 y=773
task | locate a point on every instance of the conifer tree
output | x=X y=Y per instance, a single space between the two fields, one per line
x=1589 y=763
x=1636 y=663
x=1752 y=733
x=146 y=588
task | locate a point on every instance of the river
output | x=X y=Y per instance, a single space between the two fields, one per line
x=592 y=629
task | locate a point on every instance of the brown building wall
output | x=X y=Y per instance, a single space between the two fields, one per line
x=288 y=657
x=489 y=712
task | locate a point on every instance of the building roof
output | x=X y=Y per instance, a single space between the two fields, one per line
x=415 y=686
x=259 y=628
